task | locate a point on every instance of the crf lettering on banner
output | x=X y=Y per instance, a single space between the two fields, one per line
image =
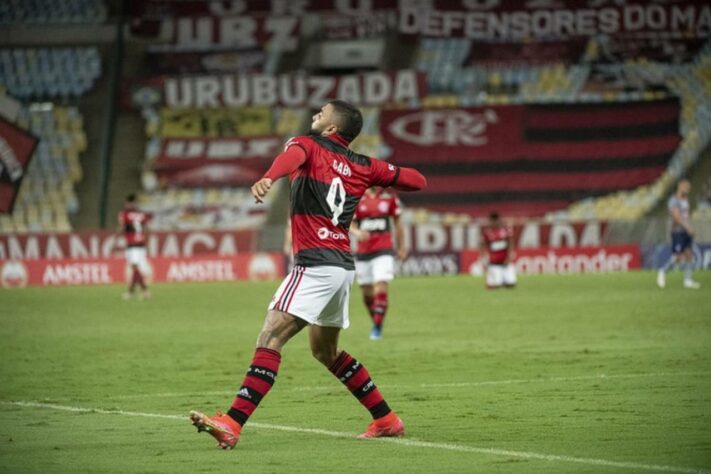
x=445 y=127
x=103 y=244
x=16 y=148
x=618 y=258
x=453 y=134
x=439 y=238
x=497 y=22
x=267 y=90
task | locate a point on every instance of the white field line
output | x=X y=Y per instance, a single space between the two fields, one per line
x=335 y=387
x=413 y=443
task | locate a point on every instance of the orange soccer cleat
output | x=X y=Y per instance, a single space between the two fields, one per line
x=221 y=427
x=389 y=425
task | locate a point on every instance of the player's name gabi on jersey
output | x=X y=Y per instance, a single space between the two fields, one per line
x=327 y=181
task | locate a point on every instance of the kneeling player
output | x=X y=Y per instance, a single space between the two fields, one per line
x=498 y=244
x=375 y=264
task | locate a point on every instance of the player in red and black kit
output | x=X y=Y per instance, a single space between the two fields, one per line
x=132 y=222
x=327 y=181
x=498 y=244
x=377 y=213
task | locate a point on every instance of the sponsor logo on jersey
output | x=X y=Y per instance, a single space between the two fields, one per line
x=371 y=225
x=323 y=234
x=497 y=245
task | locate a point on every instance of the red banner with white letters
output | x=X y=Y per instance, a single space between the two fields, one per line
x=211 y=268
x=201 y=162
x=92 y=245
x=211 y=91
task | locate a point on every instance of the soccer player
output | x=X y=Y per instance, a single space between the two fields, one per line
x=682 y=236
x=327 y=181
x=377 y=213
x=498 y=245
x=132 y=222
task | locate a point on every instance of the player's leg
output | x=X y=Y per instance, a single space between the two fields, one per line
x=494 y=278
x=383 y=274
x=674 y=259
x=132 y=261
x=364 y=277
x=141 y=271
x=296 y=291
x=380 y=309
x=278 y=328
x=688 y=264
x=324 y=347
x=509 y=275
x=368 y=297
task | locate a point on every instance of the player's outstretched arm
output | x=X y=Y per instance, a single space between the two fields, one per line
x=409 y=179
x=283 y=164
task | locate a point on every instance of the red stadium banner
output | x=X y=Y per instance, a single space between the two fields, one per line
x=216 y=32
x=214 y=175
x=618 y=258
x=520 y=20
x=289 y=90
x=236 y=22
x=103 y=244
x=527 y=160
x=187 y=153
x=201 y=162
x=16 y=148
x=257 y=266
x=454 y=134
x=511 y=132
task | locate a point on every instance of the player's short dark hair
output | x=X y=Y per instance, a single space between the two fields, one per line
x=131 y=197
x=350 y=119
x=494 y=216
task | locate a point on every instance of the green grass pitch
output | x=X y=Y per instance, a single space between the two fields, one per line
x=586 y=373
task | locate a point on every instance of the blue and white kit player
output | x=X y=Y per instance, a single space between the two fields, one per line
x=682 y=236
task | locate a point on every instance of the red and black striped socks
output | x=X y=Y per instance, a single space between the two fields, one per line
x=257 y=383
x=380 y=307
x=356 y=378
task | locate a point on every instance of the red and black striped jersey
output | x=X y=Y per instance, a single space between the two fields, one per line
x=325 y=191
x=374 y=215
x=497 y=243
x=134 y=226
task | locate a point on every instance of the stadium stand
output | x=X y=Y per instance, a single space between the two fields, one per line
x=43 y=12
x=49 y=73
x=45 y=84
x=46 y=198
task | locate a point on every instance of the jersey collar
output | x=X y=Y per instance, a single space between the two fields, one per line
x=338 y=139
